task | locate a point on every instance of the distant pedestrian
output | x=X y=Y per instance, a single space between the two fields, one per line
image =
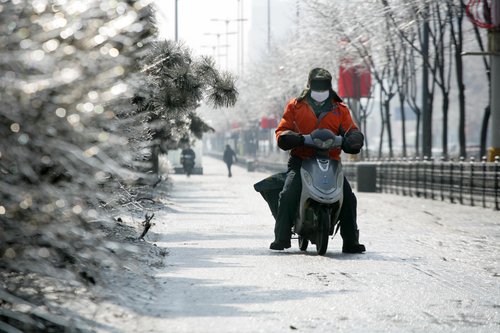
x=229 y=158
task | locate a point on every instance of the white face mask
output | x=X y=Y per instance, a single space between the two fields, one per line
x=320 y=96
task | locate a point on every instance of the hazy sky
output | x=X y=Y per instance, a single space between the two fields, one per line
x=195 y=21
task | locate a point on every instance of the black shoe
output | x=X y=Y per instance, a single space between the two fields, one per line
x=353 y=248
x=280 y=245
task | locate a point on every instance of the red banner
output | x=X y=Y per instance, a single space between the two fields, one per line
x=268 y=123
x=354 y=82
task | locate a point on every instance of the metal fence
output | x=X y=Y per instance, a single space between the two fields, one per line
x=471 y=182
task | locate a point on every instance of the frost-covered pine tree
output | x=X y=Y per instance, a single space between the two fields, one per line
x=70 y=136
x=86 y=94
x=176 y=84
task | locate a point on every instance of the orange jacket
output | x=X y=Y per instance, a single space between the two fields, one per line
x=299 y=117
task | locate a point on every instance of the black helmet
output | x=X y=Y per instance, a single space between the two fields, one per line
x=319 y=79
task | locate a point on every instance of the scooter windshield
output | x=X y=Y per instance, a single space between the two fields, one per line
x=324 y=174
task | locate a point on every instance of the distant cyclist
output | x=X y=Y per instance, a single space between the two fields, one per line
x=187 y=160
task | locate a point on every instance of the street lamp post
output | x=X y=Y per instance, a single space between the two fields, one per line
x=176 y=21
x=218 y=45
x=213 y=47
x=226 y=21
x=239 y=52
x=268 y=25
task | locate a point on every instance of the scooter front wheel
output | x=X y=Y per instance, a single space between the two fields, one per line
x=303 y=242
x=323 y=231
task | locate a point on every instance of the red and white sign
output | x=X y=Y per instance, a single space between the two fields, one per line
x=354 y=81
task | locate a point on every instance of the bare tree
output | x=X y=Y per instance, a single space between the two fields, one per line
x=487 y=110
x=396 y=32
x=412 y=98
x=457 y=39
x=441 y=65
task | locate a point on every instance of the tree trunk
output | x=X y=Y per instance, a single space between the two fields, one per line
x=426 y=109
x=446 y=102
x=155 y=161
x=387 y=109
x=382 y=127
x=487 y=110
x=461 y=90
x=402 y=98
x=366 y=150
x=484 y=130
x=417 y=135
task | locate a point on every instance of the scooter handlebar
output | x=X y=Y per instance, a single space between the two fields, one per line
x=308 y=141
x=323 y=139
x=338 y=141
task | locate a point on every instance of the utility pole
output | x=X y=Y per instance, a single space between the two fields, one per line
x=494 y=49
x=219 y=45
x=214 y=49
x=176 y=21
x=238 y=29
x=227 y=34
x=242 y=34
x=297 y=14
x=268 y=25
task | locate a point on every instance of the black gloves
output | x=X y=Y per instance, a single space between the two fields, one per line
x=288 y=140
x=353 y=142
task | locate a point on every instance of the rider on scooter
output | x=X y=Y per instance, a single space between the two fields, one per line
x=187 y=160
x=317 y=107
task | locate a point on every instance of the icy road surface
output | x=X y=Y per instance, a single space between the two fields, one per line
x=429 y=267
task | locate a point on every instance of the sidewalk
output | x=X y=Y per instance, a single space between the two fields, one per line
x=430 y=266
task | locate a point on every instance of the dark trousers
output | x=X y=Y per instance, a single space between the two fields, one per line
x=289 y=201
x=229 y=169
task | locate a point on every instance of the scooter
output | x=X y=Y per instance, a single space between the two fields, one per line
x=322 y=192
x=187 y=161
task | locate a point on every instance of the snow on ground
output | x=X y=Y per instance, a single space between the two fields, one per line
x=430 y=266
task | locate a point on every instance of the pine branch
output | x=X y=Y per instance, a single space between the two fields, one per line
x=147 y=224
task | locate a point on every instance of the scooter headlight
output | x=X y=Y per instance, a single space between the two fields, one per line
x=323 y=144
x=307 y=178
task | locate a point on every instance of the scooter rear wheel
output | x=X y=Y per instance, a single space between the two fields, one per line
x=303 y=242
x=323 y=231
